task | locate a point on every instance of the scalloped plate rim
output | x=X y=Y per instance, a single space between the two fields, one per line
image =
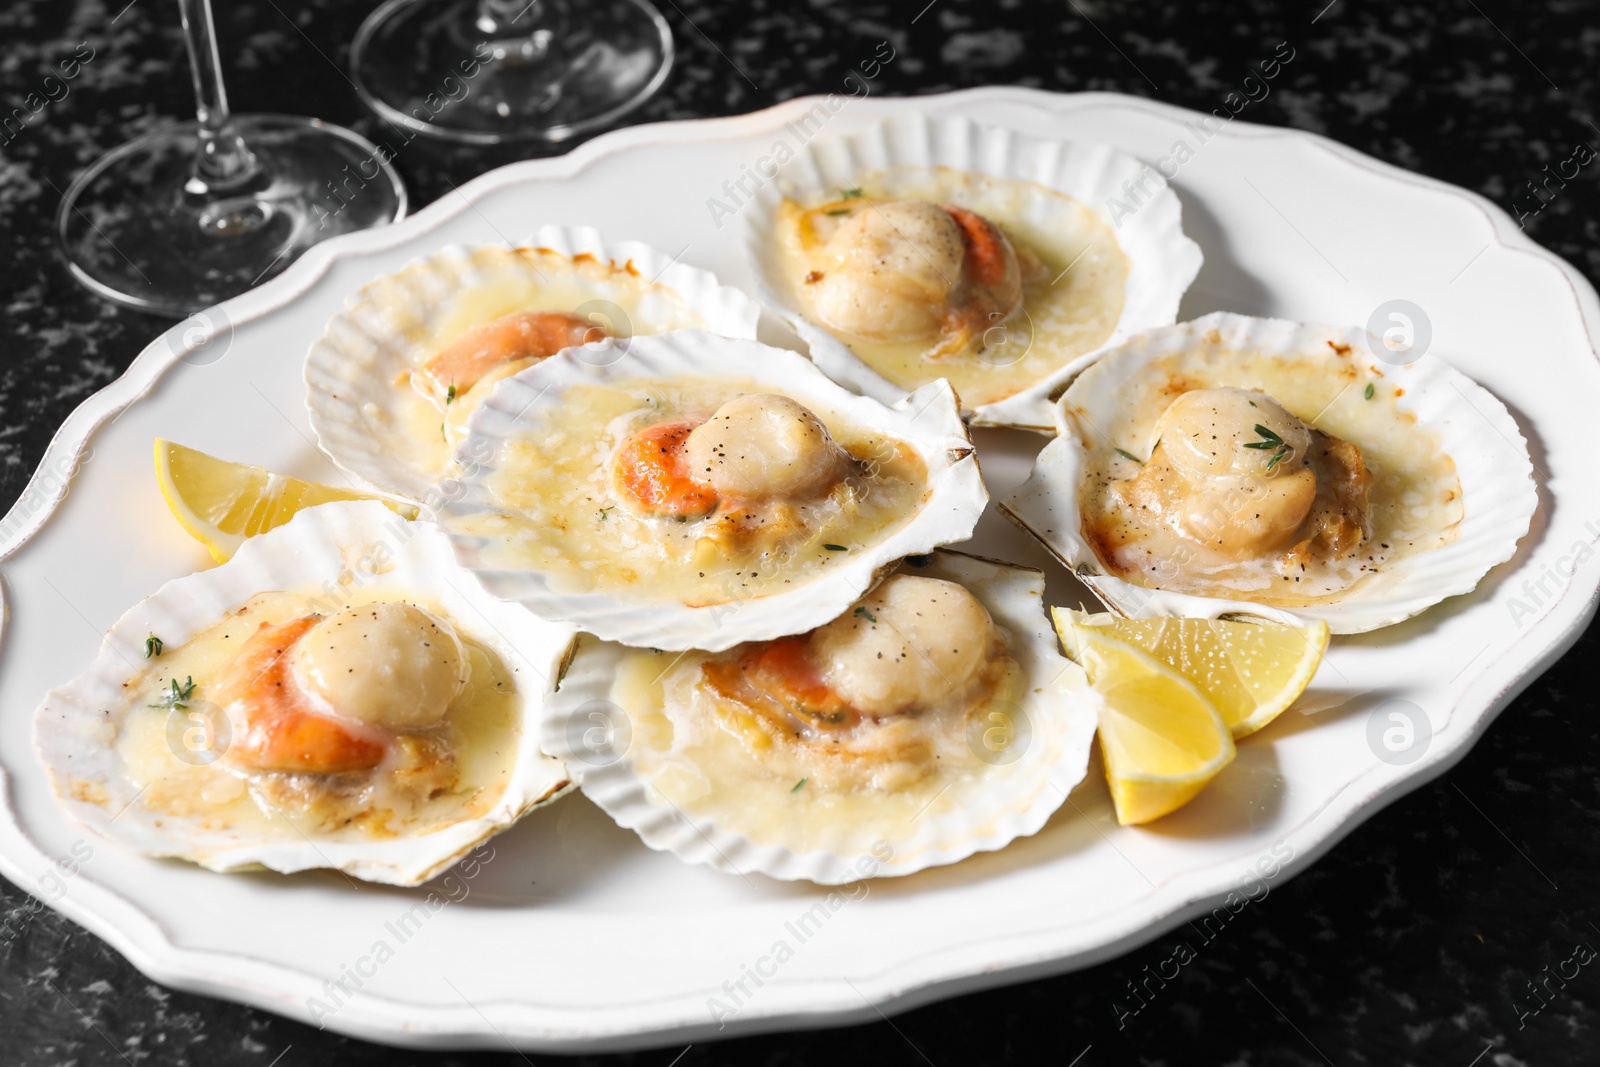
x=141 y=938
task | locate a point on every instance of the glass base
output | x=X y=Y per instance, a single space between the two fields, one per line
x=139 y=230
x=551 y=71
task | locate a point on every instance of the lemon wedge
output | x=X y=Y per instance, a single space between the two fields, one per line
x=1251 y=671
x=221 y=503
x=1162 y=739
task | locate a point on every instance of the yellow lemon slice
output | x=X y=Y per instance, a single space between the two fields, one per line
x=1161 y=738
x=221 y=503
x=1251 y=671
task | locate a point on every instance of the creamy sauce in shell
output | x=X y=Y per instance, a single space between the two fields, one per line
x=481 y=730
x=1415 y=504
x=563 y=517
x=504 y=281
x=1065 y=312
x=711 y=758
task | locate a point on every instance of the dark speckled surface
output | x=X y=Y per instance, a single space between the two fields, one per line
x=1413 y=942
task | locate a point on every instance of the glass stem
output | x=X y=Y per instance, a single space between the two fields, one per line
x=224 y=160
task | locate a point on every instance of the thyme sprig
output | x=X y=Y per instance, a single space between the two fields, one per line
x=1269 y=439
x=178 y=696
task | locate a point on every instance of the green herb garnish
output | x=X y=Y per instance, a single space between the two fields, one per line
x=1270 y=440
x=604 y=511
x=176 y=697
x=839 y=211
x=1125 y=454
x=861 y=612
x=450 y=394
x=1370 y=390
x=800 y=784
x=849 y=194
x=153 y=647
x=836 y=548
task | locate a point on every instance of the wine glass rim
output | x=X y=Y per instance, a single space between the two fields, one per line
x=549 y=135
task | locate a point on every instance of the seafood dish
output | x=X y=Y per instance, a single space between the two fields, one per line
x=1261 y=464
x=393 y=380
x=924 y=249
x=606 y=539
x=695 y=491
x=934 y=717
x=339 y=694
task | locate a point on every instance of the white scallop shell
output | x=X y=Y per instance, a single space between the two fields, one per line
x=320 y=548
x=927 y=420
x=351 y=370
x=1052 y=732
x=1475 y=429
x=1164 y=261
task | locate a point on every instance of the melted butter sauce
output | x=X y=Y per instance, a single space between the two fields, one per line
x=1415 y=504
x=564 y=519
x=710 y=759
x=1069 y=308
x=169 y=755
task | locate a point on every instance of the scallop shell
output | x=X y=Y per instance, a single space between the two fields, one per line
x=322 y=548
x=354 y=371
x=1475 y=430
x=927 y=420
x=589 y=720
x=1163 y=261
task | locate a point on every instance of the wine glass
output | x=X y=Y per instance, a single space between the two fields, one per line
x=490 y=71
x=188 y=215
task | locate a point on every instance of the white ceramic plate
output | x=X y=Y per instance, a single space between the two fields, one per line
x=574 y=935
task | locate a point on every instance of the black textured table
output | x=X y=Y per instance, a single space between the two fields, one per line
x=1414 y=942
